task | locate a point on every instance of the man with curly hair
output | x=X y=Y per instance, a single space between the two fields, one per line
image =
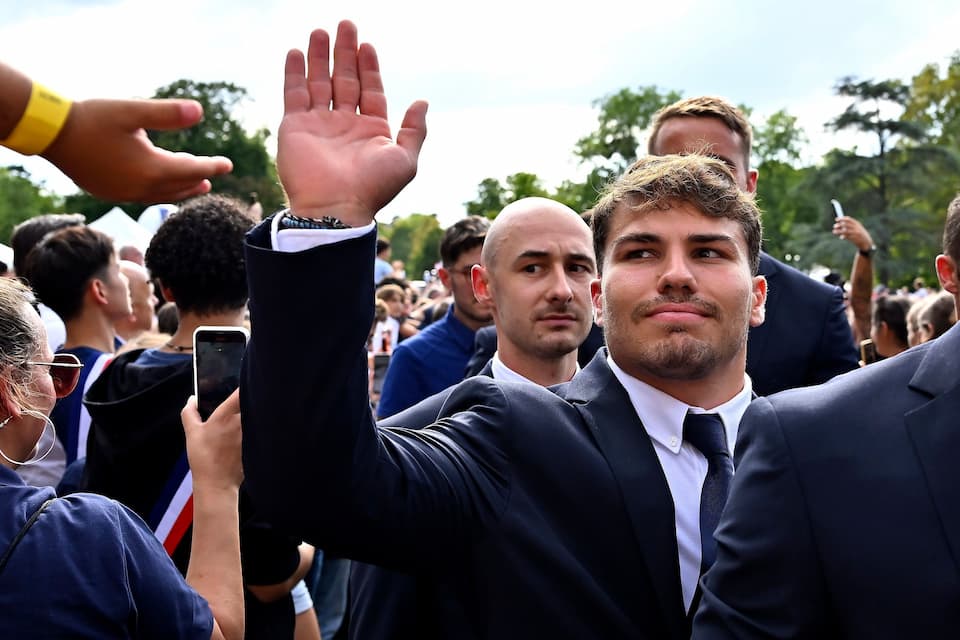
x=136 y=452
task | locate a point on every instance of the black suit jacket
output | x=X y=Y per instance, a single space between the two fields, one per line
x=806 y=337
x=546 y=517
x=844 y=515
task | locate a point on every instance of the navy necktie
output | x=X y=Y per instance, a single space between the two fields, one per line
x=705 y=431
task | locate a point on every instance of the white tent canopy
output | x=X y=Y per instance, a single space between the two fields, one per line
x=122 y=229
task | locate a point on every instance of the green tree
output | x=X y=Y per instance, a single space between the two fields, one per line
x=21 y=199
x=624 y=116
x=221 y=134
x=492 y=196
x=415 y=239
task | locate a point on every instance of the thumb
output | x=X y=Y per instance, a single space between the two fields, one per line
x=413 y=129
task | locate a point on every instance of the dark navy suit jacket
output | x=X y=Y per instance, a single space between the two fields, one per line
x=545 y=517
x=806 y=337
x=844 y=515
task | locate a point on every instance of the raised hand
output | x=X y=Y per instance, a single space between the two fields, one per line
x=332 y=159
x=104 y=149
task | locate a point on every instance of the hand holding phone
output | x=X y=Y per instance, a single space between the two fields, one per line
x=837 y=209
x=217 y=355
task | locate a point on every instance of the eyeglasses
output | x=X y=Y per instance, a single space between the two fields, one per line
x=65 y=372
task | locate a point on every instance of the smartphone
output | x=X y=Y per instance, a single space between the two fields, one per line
x=868 y=351
x=217 y=354
x=837 y=209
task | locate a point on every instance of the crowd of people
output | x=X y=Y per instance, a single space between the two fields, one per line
x=629 y=422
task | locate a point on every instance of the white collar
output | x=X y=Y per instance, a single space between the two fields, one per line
x=504 y=373
x=662 y=415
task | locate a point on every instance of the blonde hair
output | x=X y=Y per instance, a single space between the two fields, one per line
x=21 y=339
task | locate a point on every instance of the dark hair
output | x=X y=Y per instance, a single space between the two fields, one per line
x=893 y=311
x=29 y=233
x=168 y=319
x=463 y=236
x=658 y=182
x=951 y=231
x=382 y=245
x=198 y=254
x=61 y=266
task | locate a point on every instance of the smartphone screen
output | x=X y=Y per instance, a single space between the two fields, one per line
x=217 y=354
x=868 y=351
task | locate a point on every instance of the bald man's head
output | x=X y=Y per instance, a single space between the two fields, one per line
x=519 y=216
x=535 y=272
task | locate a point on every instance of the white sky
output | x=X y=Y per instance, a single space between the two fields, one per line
x=510 y=84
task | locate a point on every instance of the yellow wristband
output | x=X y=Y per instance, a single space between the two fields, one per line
x=41 y=122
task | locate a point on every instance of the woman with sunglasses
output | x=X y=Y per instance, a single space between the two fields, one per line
x=84 y=566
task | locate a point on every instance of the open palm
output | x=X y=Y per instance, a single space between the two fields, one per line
x=331 y=159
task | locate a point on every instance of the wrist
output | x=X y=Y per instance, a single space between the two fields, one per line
x=351 y=214
x=41 y=123
x=868 y=252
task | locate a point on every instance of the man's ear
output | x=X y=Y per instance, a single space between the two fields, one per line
x=752 y=176
x=596 y=294
x=947 y=273
x=444 y=276
x=758 y=309
x=97 y=288
x=480 y=278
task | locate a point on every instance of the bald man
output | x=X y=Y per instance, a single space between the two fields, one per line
x=142 y=302
x=534 y=274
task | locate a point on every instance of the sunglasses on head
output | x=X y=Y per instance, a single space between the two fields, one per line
x=65 y=371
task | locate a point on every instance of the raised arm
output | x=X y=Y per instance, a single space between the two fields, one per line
x=335 y=154
x=103 y=146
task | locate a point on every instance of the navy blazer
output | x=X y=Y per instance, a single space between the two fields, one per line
x=806 y=338
x=545 y=517
x=844 y=515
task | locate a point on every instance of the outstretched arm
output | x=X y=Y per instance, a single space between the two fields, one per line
x=861 y=273
x=103 y=146
x=335 y=154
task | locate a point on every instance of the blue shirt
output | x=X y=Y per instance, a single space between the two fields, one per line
x=89 y=568
x=426 y=364
x=69 y=415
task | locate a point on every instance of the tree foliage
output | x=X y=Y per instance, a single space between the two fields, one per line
x=415 y=239
x=20 y=199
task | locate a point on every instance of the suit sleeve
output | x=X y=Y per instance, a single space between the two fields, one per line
x=766 y=582
x=837 y=352
x=315 y=463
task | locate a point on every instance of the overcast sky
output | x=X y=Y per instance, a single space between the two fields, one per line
x=510 y=83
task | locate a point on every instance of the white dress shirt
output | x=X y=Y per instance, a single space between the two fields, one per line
x=683 y=465
x=501 y=371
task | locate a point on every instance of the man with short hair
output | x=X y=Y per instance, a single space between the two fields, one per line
x=435 y=358
x=535 y=273
x=844 y=516
x=75 y=272
x=142 y=302
x=806 y=338
x=544 y=516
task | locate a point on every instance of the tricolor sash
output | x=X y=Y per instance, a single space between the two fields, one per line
x=173 y=513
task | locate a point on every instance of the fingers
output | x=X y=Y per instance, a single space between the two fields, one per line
x=158 y=114
x=373 y=102
x=296 y=96
x=413 y=130
x=346 y=82
x=318 y=70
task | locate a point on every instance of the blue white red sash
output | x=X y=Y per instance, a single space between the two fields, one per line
x=173 y=513
x=88 y=375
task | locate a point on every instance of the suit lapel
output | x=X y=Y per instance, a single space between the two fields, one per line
x=605 y=407
x=933 y=427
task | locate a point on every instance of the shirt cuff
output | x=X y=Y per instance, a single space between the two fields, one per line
x=293 y=240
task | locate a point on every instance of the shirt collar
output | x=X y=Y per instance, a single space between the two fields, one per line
x=662 y=415
x=504 y=373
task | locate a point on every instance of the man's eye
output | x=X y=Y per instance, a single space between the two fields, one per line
x=706 y=252
x=532 y=268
